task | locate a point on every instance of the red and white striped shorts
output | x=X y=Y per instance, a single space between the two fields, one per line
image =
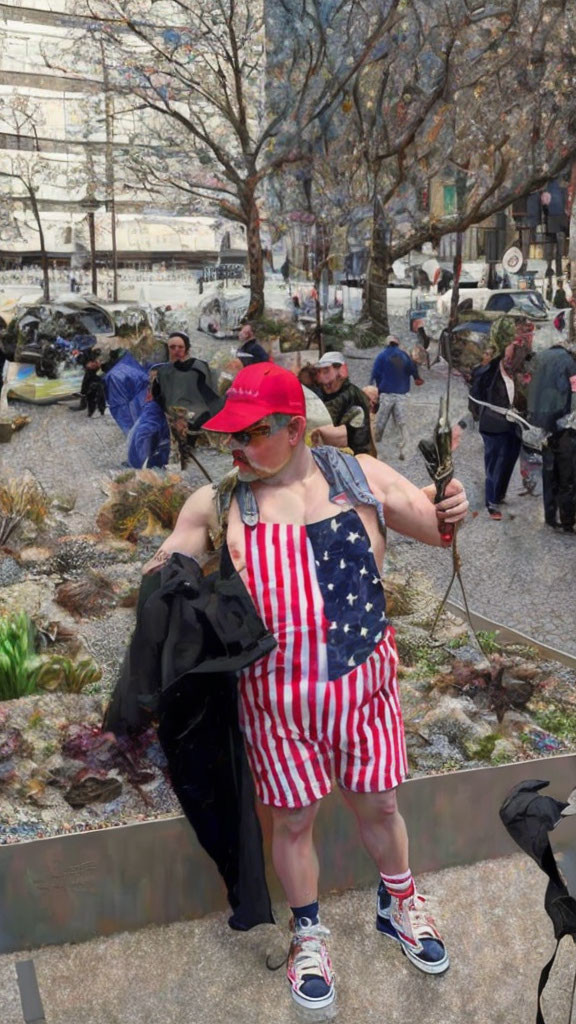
x=299 y=732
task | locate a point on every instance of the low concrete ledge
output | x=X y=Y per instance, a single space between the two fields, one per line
x=74 y=888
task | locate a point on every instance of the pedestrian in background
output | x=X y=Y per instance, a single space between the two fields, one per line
x=392 y=372
x=551 y=397
x=249 y=350
x=496 y=385
x=348 y=406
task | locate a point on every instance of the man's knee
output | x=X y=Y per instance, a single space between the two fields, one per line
x=373 y=807
x=293 y=822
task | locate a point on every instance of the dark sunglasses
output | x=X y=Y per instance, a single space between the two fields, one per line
x=244 y=437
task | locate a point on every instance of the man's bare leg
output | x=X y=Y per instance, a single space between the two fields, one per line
x=382 y=829
x=309 y=969
x=293 y=853
x=385 y=837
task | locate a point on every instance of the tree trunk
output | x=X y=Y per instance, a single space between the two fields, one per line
x=321 y=255
x=255 y=259
x=43 y=253
x=571 y=212
x=316 y=276
x=456 y=270
x=92 y=234
x=110 y=176
x=376 y=301
x=446 y=336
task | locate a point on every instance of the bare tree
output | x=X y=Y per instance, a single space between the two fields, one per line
x=34 y=177
x=478 y=97
x=242 y=89
x=22 y=172
x=487 y=105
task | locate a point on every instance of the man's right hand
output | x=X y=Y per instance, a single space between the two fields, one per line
x=157 y=561
x=418 y=381
x=190 y=536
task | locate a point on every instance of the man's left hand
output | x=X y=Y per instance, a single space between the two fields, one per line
x=454 y=506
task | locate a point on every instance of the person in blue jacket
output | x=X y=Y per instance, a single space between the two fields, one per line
x=391 y=374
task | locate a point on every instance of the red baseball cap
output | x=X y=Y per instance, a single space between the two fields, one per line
x=258 y=391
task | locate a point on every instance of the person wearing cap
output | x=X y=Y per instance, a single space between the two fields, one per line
x=249 y=350
x=391 y=373
x=348 y=406
x=306 y=533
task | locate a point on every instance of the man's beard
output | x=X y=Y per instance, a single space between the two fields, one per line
x=247 y=475
x=250 y=472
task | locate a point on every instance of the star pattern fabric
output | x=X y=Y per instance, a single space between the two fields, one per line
x=349 y=581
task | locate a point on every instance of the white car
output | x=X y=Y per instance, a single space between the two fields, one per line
x=518 y=301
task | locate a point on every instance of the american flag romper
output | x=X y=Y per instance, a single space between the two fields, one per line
x=326 y=699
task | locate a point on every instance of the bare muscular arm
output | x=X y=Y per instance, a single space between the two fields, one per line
x=191 y=534
x=409 y=509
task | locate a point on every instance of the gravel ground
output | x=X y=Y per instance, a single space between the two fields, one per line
x=510 y=568
x=517 y=571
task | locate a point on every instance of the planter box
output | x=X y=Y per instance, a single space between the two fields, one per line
x=73 y=888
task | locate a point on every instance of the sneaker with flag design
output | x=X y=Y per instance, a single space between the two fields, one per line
x=406 y=921
x=309 y=969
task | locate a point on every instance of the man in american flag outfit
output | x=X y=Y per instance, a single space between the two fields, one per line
x=306 y=533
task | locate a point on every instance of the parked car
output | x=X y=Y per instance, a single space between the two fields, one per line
x=515 y=301
x=222 y=313
x=530 y=303
x=30 y=327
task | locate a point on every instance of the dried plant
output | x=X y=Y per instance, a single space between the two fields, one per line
x=19 y=422
x=20 y=499
x=142 y=503
x=18 y=663
x=72 y=557
x=67 y=676
x=101 y=751
x=55 y=632
x=89 y=597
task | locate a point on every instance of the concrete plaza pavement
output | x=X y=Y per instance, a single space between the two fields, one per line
x=200 y=972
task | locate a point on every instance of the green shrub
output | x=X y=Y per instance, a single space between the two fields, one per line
x=336 y=330
x=23 y=673
x=18 y=663
x=67 y=676
x=457 y=641
x=484 y=749
x=490 y=641
x=331 y=344
x=268 y=326
x=561 y=724
x=366 y=339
